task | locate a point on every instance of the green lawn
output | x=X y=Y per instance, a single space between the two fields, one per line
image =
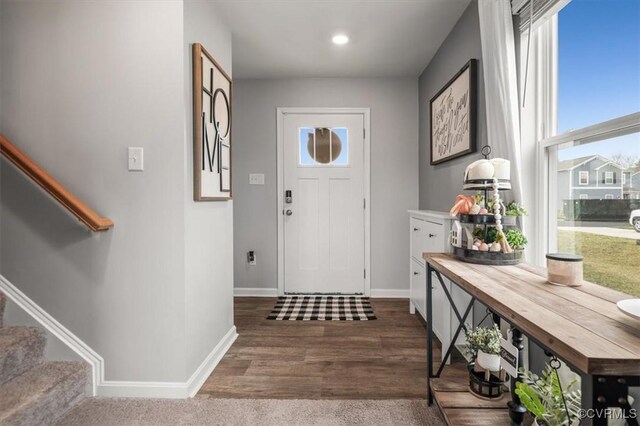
x=609 y=261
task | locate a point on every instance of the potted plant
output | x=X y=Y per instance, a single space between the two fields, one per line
x=516 y=239
x=484 y=345
x=515 y=209
x=545 y=399
x=512 y=212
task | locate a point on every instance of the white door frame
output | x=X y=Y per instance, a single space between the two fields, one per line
x=365 y=112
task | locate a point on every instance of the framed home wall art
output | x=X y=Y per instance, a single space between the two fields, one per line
x=454 y=115
x=212 y=88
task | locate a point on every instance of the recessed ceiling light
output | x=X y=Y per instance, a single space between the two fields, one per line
x=340 y=39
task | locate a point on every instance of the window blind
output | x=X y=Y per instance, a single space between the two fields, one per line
x=541 y=9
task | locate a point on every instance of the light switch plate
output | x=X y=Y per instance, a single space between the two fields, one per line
x=256 y=179
x=136 y=159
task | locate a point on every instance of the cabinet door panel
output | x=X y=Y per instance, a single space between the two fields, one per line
x=418 y=288
x=461 y=299
x=441 y=311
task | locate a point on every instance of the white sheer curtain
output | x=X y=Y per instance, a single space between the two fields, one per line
x=501 y=86
x=501 y=96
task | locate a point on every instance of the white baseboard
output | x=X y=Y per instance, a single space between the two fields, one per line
x=50 y=324
x=174 y=390
x=255 y=292
x=102 y=387
x=273 y=292
x=201 y=374
x=390 y=293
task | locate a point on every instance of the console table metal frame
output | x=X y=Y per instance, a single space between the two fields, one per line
x=599 y=392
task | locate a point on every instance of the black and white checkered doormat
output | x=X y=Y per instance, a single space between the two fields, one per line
x=322 y=308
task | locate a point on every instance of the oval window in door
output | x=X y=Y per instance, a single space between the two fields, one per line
x=327 y=145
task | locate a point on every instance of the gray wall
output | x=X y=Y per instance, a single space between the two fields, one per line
x=394 y=168
x=440 y=184
x=209 y=225
x=99 y=77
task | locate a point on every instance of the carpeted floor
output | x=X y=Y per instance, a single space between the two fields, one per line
x=120 y=411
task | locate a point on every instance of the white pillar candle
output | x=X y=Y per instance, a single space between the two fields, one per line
x=502 y=168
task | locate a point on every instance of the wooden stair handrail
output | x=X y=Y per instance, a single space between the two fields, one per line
x=93 y=220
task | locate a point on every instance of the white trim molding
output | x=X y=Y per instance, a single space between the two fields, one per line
x=50 y=324
x=174 y=390
x=380 y=293
x=612 y=163
x=366 y=113
x=597 y=187
x=254 y=292
x=102 y=387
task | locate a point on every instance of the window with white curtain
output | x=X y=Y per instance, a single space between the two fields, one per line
x=580 y=83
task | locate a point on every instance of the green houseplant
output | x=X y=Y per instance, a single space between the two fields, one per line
x=484 y=345
x=516 y=239
x=542 y=396
x=515 y=209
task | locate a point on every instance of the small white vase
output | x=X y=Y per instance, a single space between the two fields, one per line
x=487 y=361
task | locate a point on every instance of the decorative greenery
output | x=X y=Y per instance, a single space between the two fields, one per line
x=516 y=239
x=515 y=209
x=530 y=400
x=478 y=234
x=486 y=339
x=542 y=397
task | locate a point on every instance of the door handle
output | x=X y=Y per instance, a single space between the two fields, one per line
x=432 y=235
x=416 y=273
x=288 y=212
x=416 y=229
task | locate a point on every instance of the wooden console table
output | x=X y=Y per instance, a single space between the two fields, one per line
x=582 y=326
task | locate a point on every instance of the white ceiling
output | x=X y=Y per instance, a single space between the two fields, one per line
x=292 y=38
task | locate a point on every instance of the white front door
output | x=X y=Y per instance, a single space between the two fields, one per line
x=323 y=214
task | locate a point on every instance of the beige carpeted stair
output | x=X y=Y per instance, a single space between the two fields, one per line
x=32 y=390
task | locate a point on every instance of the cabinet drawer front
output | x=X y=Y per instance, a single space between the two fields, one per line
x=417 y=240
x=425 y=237
x=433 y=237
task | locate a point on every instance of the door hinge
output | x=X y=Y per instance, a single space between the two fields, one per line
x=364 y=133
x=364 y=203
x=365 y=274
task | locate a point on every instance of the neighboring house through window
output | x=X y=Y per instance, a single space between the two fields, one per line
x=584 y=196
x=584 y=178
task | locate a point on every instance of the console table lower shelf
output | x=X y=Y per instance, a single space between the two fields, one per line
x=459 y=406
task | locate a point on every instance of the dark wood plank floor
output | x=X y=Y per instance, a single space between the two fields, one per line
x=381 y=359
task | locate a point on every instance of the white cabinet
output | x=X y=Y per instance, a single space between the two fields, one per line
x=429 y=232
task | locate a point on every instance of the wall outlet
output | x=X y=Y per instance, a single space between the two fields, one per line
x=251 y=257
x=256 y=179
